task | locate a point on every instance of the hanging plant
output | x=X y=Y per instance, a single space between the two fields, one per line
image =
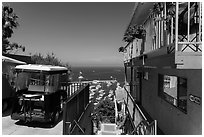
x=139 y=31
x=128 y=38
x=134 y=31
x=121 y=49
x=128 y=35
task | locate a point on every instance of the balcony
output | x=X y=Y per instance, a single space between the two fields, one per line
x=173 y=37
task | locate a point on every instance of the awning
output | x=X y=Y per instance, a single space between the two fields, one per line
x=10 y=60
x=140 y=13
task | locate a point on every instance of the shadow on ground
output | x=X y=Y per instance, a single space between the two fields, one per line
x=37 y=124
x=8 y=111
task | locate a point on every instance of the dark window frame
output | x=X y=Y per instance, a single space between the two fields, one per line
x=181 y=104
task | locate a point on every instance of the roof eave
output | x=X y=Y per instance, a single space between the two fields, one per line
x=140 y=13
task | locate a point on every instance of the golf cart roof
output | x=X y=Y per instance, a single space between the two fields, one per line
x=41 y=68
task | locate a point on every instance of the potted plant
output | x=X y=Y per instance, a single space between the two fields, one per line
x=122 y=49
x=134 y=31
x=139 y=31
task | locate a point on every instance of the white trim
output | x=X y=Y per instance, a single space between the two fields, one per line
x=40 y=67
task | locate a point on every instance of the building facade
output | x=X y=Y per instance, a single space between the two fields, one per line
x=163 y=64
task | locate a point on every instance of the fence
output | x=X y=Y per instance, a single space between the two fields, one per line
x=138 y=119
x=74 y=107
x=72 y=87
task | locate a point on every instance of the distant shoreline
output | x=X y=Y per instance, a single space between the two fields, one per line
x=97 y=67
x=98 y=73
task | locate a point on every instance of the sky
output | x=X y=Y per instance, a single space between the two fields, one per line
x=78 y=33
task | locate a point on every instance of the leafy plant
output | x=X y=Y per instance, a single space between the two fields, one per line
x=105 y=111
x=9 y=22
x=134 y=31
x=121 y=49
x=49 y=59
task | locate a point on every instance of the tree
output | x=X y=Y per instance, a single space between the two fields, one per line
x=9 y=22
x=49 y=59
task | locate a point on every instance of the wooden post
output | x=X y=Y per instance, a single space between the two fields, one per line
x=64 y=118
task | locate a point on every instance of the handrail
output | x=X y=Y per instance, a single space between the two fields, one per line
x=76 y=91
x=153 y=127
x=144 y=128
x=150 y=129
x=129 y=114
x=140 y=111
x=77 y=103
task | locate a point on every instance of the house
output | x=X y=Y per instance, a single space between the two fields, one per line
x=8 y=80
x=163 y=66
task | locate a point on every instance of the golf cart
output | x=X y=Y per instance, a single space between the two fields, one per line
x=40 y=92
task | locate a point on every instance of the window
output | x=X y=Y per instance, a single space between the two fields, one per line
x=37 y=79
x=173 y=89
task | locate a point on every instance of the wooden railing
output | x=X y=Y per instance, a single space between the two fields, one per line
x=75 y=106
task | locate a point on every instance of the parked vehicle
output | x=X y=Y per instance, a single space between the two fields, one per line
x=41 y=90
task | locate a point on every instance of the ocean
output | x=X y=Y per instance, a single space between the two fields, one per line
x=98 y=73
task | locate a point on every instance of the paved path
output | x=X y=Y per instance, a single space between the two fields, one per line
x=14 y=127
